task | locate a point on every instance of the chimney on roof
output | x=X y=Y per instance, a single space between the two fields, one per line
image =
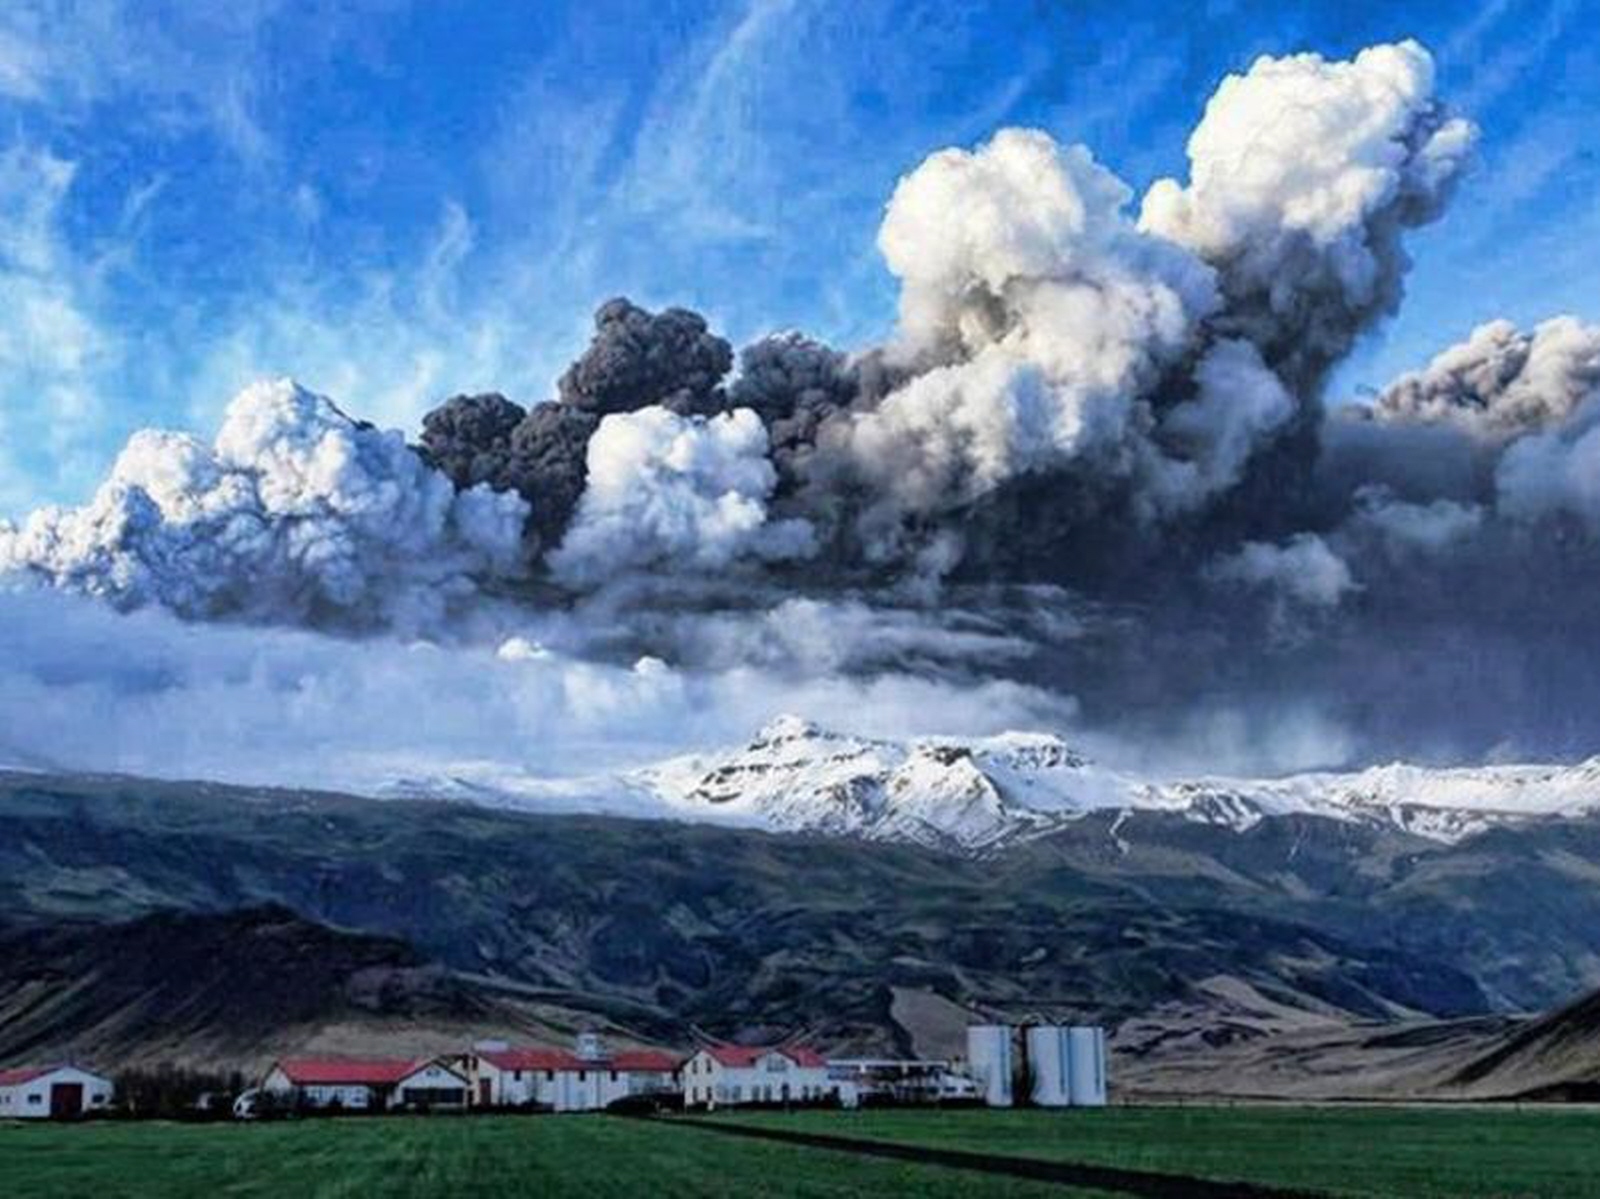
x=589 y=1046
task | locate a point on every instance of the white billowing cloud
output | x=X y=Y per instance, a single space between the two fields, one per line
x=1303 y=174
x=677 y=493
x=1044 y=312
x=1501 y=382
x=295 y=513
x=1021 y=227
x=1302 y=569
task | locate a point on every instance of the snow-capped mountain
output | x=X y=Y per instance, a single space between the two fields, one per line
x=978 y=794
x=975 y=796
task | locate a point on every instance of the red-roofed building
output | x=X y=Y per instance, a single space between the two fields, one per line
x=729 y=1075
x=366 y=1084
x=588 y=1078
x=62 y=1092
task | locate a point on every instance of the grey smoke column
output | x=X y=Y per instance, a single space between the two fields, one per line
x=639 y=358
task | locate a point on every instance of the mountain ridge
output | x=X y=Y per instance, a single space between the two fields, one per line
x=981 y=796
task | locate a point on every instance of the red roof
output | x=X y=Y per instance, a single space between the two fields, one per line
x=540 y=1058
x=652 y=1061
x=22 y=1074
x=349 y=1071
x=534 y=1059
x=744 y=1056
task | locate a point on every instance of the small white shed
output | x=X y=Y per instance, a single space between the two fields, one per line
x=59 y=1092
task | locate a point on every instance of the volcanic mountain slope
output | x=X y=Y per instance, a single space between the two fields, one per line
x=1554 y=1057
x=230 y=989
x=1258 y=1049
x=663 y=928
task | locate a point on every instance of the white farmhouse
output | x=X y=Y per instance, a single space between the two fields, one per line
x=729 y=1075
x=353 y=1084
x=590 y=1079
x=62 y=1092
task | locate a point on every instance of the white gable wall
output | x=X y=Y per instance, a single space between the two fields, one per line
x=432 y=1084
x=31 y=1100
x=772 y=1078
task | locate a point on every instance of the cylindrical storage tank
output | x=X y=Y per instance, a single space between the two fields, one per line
x=989 y=1055
x=1086 y=1066
x=1049 y=1065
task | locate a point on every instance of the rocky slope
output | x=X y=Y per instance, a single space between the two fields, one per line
x=1159 y=921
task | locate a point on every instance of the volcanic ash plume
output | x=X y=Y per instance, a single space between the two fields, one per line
x=1095 y=458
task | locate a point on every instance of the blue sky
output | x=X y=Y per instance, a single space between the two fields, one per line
x=396 y=201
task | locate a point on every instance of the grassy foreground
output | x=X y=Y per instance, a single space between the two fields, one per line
x=578 y=1156
x=1399 y=1151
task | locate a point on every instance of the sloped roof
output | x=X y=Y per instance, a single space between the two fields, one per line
x=653 y=1061
x=537 y=1058
x=22 y=1074
x=542 y=1058
x=744 y=1056
x=348 y=1071
x=419 y=1067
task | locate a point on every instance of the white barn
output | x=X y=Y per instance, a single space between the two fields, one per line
x=590 y=1079
x=730 y=1075
x=42 y=1092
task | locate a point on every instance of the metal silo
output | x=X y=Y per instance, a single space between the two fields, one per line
x=1050 y=1065
x=989 y=1056
x=1086 y=1057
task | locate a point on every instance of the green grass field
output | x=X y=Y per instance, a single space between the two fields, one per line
x=1400 y=1151
x=1338 y=1151
x=579 y=1156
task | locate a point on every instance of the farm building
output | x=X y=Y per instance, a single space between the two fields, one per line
x=589 y=1078
x=728 y=1075
x=42 y=1092
x=367 y=1084
x=899 y=1080
x=432 y=1086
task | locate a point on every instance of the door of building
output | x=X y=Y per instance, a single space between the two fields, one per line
x=66 y=1099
